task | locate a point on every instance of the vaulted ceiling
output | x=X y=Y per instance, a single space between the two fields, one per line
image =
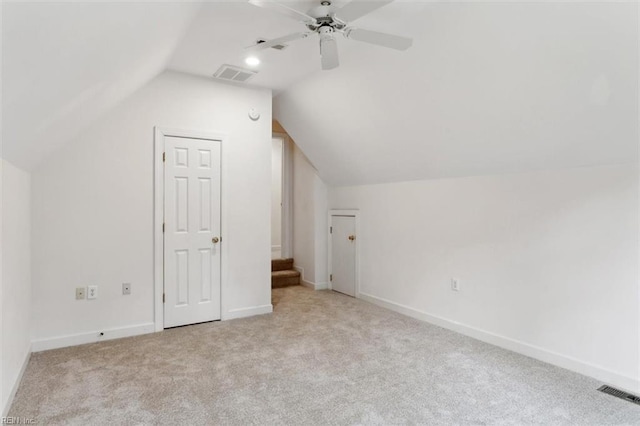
x=67 y=64
x=486 y=87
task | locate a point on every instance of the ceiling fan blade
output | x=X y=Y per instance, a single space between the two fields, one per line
x=381 y=39
x=358 y=8
x=329 y=53
x=285 y=10
x=280 y=40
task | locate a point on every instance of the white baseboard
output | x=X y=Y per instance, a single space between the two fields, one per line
x=91 y=337
x=16 y=384
x=310 y=284
x=248 y=312
x=314 y=286
x=605 y=375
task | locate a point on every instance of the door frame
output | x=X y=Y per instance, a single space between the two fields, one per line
x=158 y=214
x=356 y=215
x=286 y=226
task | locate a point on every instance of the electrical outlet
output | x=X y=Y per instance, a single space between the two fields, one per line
x=126 y=288
x=92 y=292
x=455 y=284
x=80 y=293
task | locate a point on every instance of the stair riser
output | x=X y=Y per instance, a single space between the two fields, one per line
x=281 y=265
x=284 y=282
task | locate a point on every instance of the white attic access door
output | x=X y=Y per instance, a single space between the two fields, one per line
x=344 y=252
x=188 y=244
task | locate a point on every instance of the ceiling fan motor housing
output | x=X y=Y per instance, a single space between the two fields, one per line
x=325 y=17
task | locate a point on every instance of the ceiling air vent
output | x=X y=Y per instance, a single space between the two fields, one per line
x=231 y=73
x=275 y=46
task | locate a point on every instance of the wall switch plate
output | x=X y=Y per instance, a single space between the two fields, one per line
x=92 y=292
x=80 y=293
x=455 y=284
x=126 y=288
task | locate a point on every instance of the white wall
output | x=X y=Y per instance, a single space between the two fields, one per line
x=16 y=277
x=321 y=231
x=93 y=210
x=2 y=400
x=276 y=197
x=309 y=221
x=547 y=261
x=303 y=215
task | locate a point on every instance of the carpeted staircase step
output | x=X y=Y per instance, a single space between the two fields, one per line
x=286 y=278
x=281 y=264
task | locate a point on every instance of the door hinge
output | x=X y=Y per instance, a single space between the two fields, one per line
x=163 y=299
x=331 y=229
x=331 y=277
x=164 y=156
x=162 y=226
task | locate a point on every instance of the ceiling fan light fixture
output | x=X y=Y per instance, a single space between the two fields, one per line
x=252 y=61
x=326 y=20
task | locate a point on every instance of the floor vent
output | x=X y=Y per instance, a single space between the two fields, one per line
x=620 y=394
x=231 y=73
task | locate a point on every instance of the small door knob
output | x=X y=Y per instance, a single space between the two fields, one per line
x=215 y=240
x=352 y=237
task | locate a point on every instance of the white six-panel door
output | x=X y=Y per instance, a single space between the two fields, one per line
x=192 y=231
x=343 y=254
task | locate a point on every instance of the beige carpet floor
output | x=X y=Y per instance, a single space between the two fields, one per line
x=320 y=359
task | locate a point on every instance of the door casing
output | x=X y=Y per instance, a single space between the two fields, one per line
x=158 y=215
x=356 y=216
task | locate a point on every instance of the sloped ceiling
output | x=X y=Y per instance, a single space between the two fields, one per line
x=66 y=64
x=487 y=88
x=223 y=30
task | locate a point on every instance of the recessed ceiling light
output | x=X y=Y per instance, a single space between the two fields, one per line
x=252 y=61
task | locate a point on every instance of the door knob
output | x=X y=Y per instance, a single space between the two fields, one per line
x=352 y=237
x=215 y=240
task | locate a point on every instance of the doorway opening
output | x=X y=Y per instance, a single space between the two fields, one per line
x=281 y=197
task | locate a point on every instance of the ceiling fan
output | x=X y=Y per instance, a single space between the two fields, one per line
x=327 y=20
